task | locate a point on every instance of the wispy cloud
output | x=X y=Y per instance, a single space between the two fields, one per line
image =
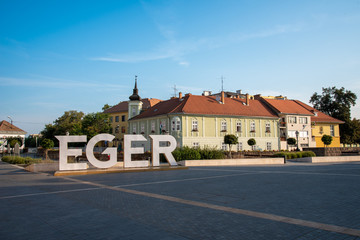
x=177 y=50
x=49 y=82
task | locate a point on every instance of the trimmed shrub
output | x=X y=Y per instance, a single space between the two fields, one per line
x=20 y=160
x=293 y=155
x=187 y=153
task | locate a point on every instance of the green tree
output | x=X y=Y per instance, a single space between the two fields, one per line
x=70 y=122
x=251 y=142
x=326 y=139
x=106 y=106
x=47 y=144
x=95 y=123
x=337 y=103
x=230 y=139
x=13 y=140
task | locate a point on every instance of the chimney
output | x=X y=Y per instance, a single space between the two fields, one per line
x=180 y=95
x=247 y=99
x=222 y=97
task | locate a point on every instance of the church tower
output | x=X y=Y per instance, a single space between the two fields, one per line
x=135 y=103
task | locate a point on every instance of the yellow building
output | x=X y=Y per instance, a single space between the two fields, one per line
x=203 y=121
x=119 y=115
x=323 y=124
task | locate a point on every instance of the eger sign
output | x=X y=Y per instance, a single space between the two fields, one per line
x=156 y=150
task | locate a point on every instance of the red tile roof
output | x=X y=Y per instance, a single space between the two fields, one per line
x=6 y=127
x=288 y=107
x=123 y=106
x=208 y=105
x=321 y=117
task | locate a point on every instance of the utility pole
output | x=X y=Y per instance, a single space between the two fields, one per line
x=175 y=91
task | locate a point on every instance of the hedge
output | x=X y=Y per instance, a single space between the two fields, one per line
x=292 y=155
x=20 y=160
x=187 y=153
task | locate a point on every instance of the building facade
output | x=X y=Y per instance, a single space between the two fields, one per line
x=9 y=130
x=203 y=121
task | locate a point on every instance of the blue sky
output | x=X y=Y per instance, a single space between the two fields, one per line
x=57 y=56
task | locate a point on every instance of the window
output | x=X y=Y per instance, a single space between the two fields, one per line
x=175 y=124
x=239 y=146
x=162 y=126
x=292 y=134
x=238 y=127
x=196 y=145
x=223 y=126
x=117 y=119
x=122 y=129
x=303 y=120
x=123 y=118
x=267 y=127
x=292 y=119
x=111 y=119
x=117 y=129
x=152 y=127
x=133 y=111
x=252 y=126
x=332 y=130
x=194 y=125
x=134 y=129
x=268 y=146
x=224 y=146
x=111 y=130
x=303 y=134
x=142 y=128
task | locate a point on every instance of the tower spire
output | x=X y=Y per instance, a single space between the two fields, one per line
x=135 y=96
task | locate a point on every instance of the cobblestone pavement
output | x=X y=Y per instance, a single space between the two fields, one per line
x=292 y=201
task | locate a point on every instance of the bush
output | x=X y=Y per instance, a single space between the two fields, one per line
x=187 y=153
x=292 y=155
x=20 y=160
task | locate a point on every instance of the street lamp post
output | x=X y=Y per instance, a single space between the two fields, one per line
x=297 y=140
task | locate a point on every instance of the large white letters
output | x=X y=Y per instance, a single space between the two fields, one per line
x=64 y=152
x=111 y=151
x=167 y=151
x=128 y=150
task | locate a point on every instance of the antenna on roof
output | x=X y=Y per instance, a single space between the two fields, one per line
x=222 y=83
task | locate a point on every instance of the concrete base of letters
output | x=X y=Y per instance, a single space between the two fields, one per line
x=232 y=162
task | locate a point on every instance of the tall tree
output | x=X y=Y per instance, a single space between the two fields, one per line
x=70 y=122
x=337 y=103
x=95 y=123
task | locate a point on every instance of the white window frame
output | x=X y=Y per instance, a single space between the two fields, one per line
x=134 y=128
x=268 y=146
x=332 y=130
x=303 y=120
x=224 y=146
x=238 y=126
x=153 y=126
x=252 y=126
x=224 y=125
x=239 y=146
x=267 y=127
x=194 y=125
x=292 y=119
x=142 y=127
x=196 y=144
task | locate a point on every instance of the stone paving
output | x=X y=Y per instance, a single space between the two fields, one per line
x=292 y=201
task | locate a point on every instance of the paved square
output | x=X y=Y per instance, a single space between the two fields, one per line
x=292 y=201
